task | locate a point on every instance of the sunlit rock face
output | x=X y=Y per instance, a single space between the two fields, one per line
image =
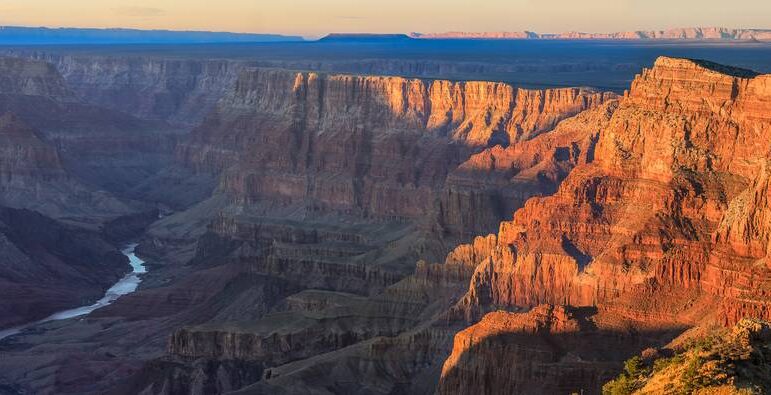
x=666 y=226
x=333 y=187
x=378 y=147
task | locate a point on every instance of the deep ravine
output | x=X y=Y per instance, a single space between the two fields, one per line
x=124 y=286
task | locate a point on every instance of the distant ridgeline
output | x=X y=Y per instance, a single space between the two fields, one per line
x=686 y=33
x=13 y=35
x=363 y=37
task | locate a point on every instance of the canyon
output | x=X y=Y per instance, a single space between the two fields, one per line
x=316 y=231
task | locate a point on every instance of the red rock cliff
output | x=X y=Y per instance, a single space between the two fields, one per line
x=664 y=226
x=374 y=146
x=683 y=154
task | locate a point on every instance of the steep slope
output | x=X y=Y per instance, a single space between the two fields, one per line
x=48 y=267
x=175 y=90
x=32 y=176
x=373 y=146
x=23 y=77
x=666 y=226
x=100 y=149
x=327 y=198
x=722 y=361
x=494 y=183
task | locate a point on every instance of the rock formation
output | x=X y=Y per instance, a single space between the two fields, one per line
x=371 y=146
x=101 y=154
x=723 y=360
x=329 y=185
x=179 y=91
x=326 y=259
x=670 y=208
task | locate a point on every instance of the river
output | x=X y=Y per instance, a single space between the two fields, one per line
x=124 y=286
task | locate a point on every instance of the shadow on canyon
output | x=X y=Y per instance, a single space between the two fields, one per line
x=524 y=362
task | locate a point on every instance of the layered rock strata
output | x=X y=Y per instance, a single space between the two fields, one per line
x=377 y=147
x=664 y=225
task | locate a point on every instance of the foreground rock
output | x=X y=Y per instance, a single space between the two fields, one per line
x=724 y=361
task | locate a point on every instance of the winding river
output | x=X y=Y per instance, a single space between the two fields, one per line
x=124 y=286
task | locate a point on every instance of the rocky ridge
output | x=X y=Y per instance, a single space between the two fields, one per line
x=646 y=219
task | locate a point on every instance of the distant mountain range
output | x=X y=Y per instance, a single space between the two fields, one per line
x=689 y=33
x=362 y=37
x=15 y=35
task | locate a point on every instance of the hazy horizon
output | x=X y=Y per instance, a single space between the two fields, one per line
x=311 y=19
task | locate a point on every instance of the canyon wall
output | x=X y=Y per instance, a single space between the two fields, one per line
x=665 y=227
x=331 y=187
x=377 y=147
x=175 y=90
x=110 y=151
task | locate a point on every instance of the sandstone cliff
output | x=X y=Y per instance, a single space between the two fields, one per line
x=371 y=146
x=666 y=224
x=667 y=170
x=548 y=350
x=24 y=77
x=365 y=159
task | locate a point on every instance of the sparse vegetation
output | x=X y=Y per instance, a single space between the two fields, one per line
x=736 y=361
x=630 y=380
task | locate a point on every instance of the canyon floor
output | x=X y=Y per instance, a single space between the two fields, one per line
x=373 y=218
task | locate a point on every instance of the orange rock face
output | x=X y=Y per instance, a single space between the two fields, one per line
x=372 y=146
x=681 y=155
x=666 y=224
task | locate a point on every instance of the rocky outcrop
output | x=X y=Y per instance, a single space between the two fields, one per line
x=33 y=176
x=666 y=169
x=724 y=360
x=332 y=183
x=671 y=207
x=492 y=184
x=104 y=149
x=549 y=349
x=31 y=78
